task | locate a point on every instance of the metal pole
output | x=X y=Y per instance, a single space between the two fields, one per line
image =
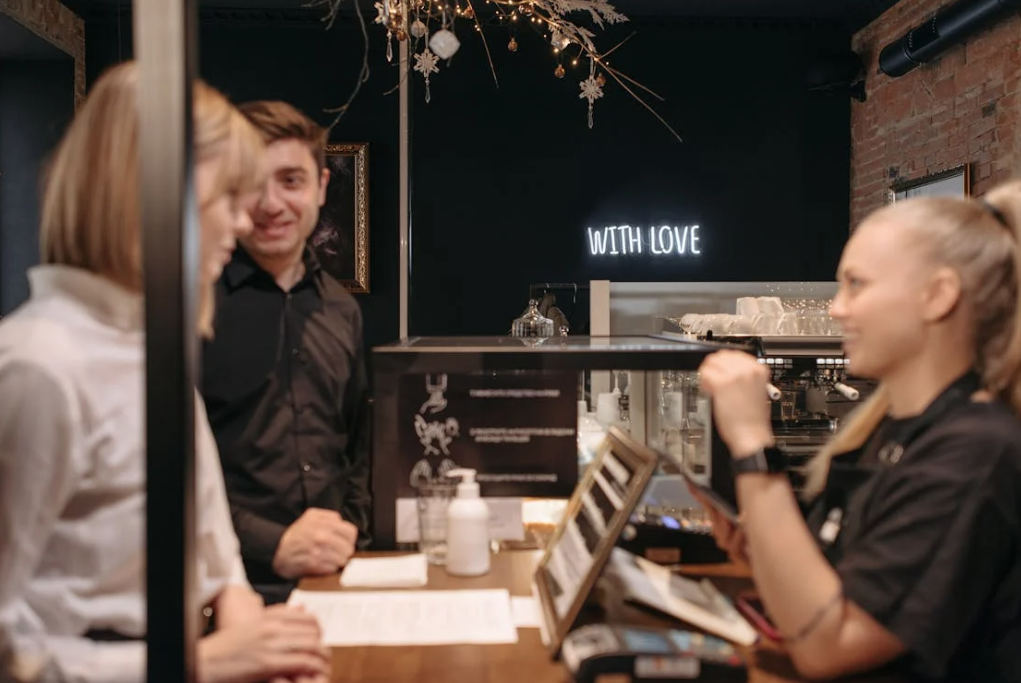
x=404 y=194
x=164 y=38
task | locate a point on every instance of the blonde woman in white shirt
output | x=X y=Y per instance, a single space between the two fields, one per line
x=72 y=450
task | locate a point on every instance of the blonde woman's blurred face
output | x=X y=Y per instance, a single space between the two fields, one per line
x=224 y=216
x=882 y=278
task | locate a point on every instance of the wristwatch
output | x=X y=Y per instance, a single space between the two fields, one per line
x=769 y=460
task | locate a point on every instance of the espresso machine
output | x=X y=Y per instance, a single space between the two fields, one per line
x=811 y=391
x=810 y=394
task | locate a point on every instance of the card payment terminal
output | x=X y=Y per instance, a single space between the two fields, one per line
x=650 y=654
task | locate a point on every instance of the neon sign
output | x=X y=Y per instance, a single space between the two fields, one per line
x=627 y=240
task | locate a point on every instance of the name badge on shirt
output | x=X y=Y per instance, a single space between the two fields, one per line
x=831 y=527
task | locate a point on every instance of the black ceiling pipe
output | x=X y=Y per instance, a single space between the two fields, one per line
x=946 y=28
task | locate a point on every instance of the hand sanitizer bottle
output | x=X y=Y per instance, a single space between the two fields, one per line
x=467 y=528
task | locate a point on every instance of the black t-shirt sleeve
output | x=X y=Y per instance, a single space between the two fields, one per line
x=938 y=541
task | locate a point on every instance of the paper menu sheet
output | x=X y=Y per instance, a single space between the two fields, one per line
x=410 y=617
x=525 y=611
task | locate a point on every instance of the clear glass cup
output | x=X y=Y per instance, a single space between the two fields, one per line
x=434 y=497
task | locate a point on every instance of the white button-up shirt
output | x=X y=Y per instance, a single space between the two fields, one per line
x=72 y=484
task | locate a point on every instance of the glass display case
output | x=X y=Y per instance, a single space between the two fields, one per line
x=515 y=410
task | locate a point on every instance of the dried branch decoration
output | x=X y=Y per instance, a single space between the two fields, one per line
x=430 y=25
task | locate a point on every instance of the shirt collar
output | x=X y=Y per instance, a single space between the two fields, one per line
x=239 y=269
x=106 y=300
x=242 y=267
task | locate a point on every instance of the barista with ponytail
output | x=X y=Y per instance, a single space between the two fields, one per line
x=911 y=555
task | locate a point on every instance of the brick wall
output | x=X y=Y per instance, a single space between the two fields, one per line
x=57 y=24
x=960 y=108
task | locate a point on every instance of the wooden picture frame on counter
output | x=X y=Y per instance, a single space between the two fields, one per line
x=580 y=547
x=340 y=239
x=953 y=182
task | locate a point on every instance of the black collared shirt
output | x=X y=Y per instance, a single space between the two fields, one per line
x=285 y=387
x=930 y=546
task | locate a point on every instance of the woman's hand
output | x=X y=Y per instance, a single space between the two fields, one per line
x=302 y=679
x=737 y=383
x=237 y=605
x=729 y=537
x=281 y=644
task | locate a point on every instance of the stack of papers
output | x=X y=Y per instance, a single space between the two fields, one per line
x=525 y=611
x=410 y=617
x=404 y=571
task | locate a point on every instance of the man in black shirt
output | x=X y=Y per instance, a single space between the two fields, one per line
x=284 y=377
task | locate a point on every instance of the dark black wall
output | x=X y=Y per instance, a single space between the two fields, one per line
x=313 y=69
x=507 y=180
x=36 y=104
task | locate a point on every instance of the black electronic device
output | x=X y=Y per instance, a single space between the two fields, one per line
x=724 y=503
x=667 y=529
x=650 y=654
x=664 y=536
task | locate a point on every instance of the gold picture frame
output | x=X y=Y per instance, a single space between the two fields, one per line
x=340 y=239
x=612 y=487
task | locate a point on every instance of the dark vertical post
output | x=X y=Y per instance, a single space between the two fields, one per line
x=164 y=37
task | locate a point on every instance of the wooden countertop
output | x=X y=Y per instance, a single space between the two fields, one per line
x=526 y=661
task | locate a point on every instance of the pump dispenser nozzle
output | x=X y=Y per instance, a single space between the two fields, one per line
x=468 y=488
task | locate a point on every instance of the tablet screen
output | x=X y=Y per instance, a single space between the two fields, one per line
x=719 y=503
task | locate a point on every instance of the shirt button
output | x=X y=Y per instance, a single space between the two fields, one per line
x=294 y=351
x=289 y=296
x=306 y=467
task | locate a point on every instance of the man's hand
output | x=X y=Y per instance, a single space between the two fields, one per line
x=319 y=542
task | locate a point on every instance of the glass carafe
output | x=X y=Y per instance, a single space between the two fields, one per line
x=532 y=323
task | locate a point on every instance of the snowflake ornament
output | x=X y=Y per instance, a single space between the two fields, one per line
x=426 y=63
x=591 y=90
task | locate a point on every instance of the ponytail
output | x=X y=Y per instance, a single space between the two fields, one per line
x=999 y=353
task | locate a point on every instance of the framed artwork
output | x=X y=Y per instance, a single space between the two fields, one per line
x=953 y=182
x=340 y=239
x=596 y=514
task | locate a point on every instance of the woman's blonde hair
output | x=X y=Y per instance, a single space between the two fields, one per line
x=91 y=206
x=980 y=240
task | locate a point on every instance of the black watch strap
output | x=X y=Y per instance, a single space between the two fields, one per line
x=770 y=460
